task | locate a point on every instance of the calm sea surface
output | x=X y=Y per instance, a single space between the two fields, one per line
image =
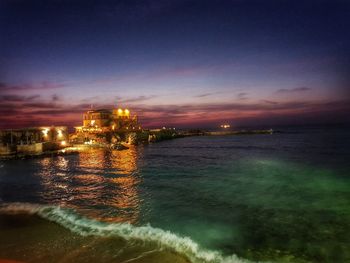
x=279 y=198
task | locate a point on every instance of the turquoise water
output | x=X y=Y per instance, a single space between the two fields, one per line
x=279 y=198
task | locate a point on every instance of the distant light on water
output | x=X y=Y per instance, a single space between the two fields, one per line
x=225 y=126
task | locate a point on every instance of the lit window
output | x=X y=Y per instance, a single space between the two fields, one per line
x=59 y=133
x=45 y=132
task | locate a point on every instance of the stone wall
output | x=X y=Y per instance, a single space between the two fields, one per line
x=7 y=150
x=30 y=148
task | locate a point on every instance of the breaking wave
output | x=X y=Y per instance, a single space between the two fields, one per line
x=76 y=223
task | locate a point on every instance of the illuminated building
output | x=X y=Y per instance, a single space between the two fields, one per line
x=33 y=140
x=53 y=134
x=97 y=123
x=103 y=120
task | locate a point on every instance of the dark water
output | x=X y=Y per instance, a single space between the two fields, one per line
x=281 y=198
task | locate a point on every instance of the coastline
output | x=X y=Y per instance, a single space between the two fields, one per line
x=203 y=188
x=72 y=246
x=23 y=156
x=141 y=138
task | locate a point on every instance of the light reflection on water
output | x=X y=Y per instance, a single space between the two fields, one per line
x=96 y=179
x=264 y=198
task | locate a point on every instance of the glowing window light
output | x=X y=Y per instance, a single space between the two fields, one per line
x=92 y=122
x=45 y=132
x=63 y=143
x=126 y=111
x=59 y=133
x=120 y=111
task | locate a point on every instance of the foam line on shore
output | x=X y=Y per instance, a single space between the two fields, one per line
x=76 y=223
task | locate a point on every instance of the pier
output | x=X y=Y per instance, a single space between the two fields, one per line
x=238 y=132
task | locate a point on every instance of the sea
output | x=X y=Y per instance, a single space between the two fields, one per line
x=281 y=197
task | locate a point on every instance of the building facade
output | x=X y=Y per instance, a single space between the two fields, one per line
x=33 y=140
x=100 y=122
x=53 y=134
x=104 y=120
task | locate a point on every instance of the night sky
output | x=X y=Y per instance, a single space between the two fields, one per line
x=175 y=63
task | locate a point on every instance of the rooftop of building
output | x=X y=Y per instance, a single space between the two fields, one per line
x=99 y=111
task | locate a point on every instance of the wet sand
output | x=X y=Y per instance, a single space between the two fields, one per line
x=29 y=238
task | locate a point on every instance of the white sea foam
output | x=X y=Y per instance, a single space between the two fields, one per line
x=87 y=227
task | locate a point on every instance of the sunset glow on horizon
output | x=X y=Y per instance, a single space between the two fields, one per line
x=175 y=63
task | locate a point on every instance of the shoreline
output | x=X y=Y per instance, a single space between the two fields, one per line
x=26 y=242
x=120 y=146
x=24 y=156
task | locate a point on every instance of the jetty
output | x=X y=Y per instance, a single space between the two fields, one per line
x=238 y=132
x=114 y=129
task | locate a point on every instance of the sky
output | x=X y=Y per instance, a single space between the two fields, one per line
x=175 y=63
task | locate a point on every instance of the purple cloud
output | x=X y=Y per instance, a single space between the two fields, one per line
x=300 y=89
x=45 y=85
x=242 y=96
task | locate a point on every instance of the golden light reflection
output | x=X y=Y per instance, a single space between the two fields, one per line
x=89 y=178
x=111 y=181
x=124 y=161
x=127 y=182
x=53 y=174
x=93 y=159
x=99 y=183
